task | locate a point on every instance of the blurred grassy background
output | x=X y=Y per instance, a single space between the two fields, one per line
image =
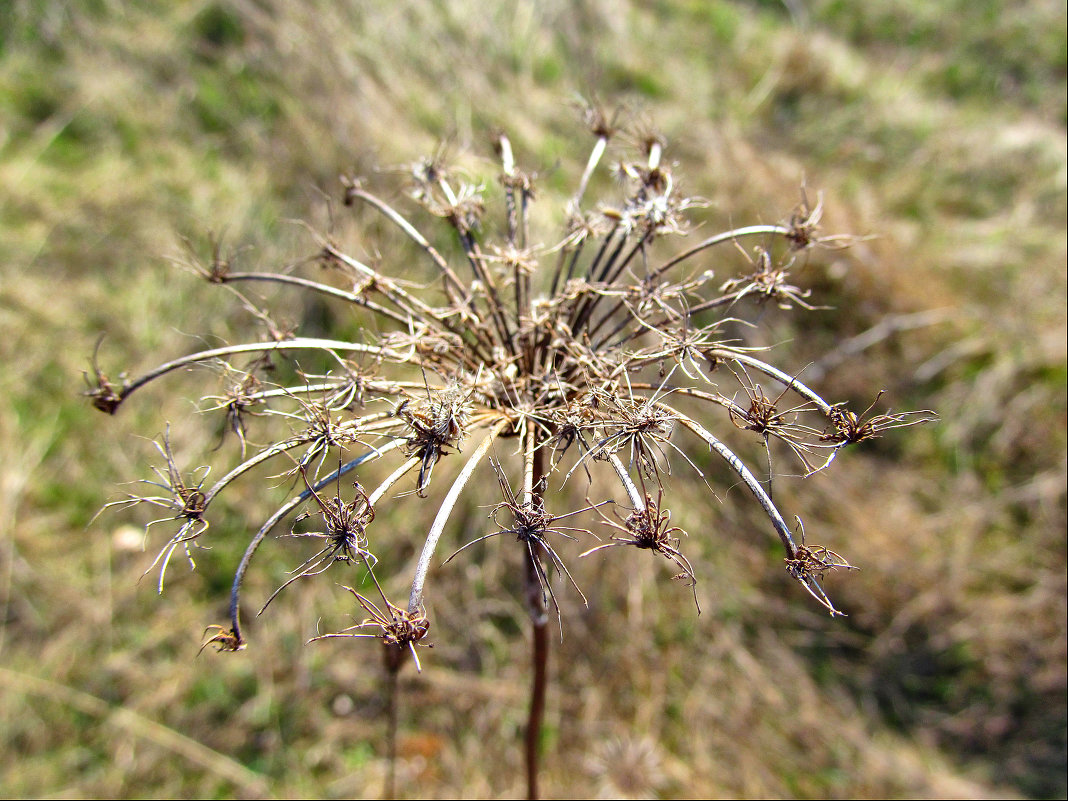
x=939 y=128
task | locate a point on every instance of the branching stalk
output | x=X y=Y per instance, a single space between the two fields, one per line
x=580 y=361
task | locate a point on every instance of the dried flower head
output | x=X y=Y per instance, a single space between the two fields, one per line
x=599 y=350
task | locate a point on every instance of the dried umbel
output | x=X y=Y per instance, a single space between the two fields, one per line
x=589 y=352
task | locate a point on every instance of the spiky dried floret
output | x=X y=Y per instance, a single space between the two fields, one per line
x=648 y=527
x=849 y=428
x=399 y=630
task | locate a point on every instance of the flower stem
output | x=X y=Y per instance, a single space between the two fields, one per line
x=539 y=618
x=415 y=600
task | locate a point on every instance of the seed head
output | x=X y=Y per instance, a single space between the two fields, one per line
x=595 y=348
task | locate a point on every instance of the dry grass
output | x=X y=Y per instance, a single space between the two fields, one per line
x=124 y=127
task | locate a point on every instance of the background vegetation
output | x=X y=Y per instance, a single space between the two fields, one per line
x=127 y=129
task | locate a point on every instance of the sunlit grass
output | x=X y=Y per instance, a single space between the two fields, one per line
x=115 y=141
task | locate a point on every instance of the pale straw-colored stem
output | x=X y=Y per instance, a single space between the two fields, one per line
x=397 y=219
x=372 y=387
x=719 y=239
x=273 y=520
x=415 y=599
x=738 y=466
x=281 y=447
x=773 y=372
x=322 y=289
x=635 y=495
x=388 y=287
x=591 y=165
x=299 y=343
x=392 y=479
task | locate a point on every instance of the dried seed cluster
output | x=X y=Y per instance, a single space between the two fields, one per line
x=593 y=351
